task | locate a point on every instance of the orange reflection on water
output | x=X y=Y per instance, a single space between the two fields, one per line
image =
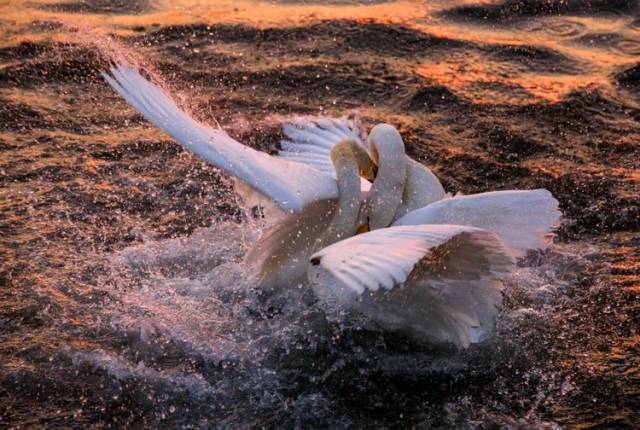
x=485 y=81
x=21 y=13
x=474 y=76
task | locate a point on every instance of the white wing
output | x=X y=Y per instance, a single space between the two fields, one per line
x=310 y=139
x=438 y=281
x=524 y=219
x=290 y=185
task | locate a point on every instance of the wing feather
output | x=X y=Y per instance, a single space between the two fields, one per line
x=317 y=135
x=438 y=281
x=394 y=252
x=291 y=185
x=524 y=219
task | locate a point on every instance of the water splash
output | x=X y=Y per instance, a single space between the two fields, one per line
x=195 y=324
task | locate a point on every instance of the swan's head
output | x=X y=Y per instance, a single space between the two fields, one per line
x=385 y=144
x=348 y=150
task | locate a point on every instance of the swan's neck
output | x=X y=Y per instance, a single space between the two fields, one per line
x=345 y=222
x=386 y=191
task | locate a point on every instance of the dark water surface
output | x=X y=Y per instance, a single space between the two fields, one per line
x=123 y=302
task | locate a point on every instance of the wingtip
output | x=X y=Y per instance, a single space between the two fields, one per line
x=113 y=67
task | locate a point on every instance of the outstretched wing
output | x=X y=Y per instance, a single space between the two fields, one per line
x=289 y=184
x=309 y=140
x=439 y=281
x=524 y=219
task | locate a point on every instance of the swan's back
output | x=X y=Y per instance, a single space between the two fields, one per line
x=421 y=188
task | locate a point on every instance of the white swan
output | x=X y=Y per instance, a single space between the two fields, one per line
x=422 y=274
x=439 y=281
x=316 y=209
x=522 y=218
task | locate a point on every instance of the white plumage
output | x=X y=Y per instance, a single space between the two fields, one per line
x=522 y=218
x=310 y=139
x=438 y=281
x=430 y=266
x=290 y=185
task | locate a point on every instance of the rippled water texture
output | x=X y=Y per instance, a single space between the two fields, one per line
x=123 y=301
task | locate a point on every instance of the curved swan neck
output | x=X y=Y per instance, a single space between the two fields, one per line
x=387 y=150
x=348 y=162
x=350 y=195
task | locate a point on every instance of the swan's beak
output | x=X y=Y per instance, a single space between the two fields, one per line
x=370 y=172
x=364 y=228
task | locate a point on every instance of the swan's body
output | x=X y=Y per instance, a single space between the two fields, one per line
x=401 y=185
x=438 y=281
x=315 y=208
x=423 y=274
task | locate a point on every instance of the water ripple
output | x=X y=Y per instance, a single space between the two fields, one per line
x=566 y=29
x=627 y=46
x=635 y=24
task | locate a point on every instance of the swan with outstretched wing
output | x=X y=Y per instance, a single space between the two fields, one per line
x=406 y=193
x=440 y=281
x=318 y=208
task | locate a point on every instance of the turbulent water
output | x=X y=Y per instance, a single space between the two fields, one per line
x=123 y=300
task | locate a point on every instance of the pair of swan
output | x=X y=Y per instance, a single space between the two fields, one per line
x=371 y=229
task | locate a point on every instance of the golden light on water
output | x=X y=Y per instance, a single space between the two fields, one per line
x=124 y=252
x=491 y=79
